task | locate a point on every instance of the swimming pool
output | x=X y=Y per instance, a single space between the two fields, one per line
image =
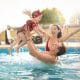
x=26 y=67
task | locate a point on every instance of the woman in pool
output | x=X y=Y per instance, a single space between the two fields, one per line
x=32 y=24
x=54 y=45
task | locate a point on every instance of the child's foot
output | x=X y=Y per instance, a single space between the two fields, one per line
x=10 y=51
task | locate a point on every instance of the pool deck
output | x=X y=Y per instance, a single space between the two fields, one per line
x=67 y=44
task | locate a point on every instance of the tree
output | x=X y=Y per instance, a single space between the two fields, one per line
x=52 y=16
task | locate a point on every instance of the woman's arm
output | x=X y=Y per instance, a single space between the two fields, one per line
x=69 y=35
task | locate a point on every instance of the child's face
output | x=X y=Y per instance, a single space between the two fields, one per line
x=37 y=19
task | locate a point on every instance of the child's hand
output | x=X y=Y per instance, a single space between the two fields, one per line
x=27 y=12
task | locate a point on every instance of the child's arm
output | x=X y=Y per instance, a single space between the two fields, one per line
x=28 y=12
x=41 y=31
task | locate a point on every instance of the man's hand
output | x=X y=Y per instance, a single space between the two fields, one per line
x=27 y=33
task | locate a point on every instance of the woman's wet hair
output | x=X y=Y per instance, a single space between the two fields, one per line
x=62 y=50
x=59 y=35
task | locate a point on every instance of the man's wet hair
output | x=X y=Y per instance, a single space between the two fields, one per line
x=62 y=50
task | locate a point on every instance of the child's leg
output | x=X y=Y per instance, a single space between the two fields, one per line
x=16 y=41
x=22 y=42
x=20 y=45
x=11 y=46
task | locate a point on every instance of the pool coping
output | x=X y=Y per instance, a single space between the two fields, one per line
x=67 y=44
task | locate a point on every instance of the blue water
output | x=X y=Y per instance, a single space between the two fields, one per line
x=26 y=67
x=70 y=50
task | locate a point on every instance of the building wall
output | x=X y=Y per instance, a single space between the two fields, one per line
x=66 y=30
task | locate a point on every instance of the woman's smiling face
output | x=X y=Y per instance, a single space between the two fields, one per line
x=54 y=29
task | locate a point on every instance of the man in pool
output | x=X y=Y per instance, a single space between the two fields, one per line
x=54 y=46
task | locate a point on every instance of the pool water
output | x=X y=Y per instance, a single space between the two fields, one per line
x=26 y=67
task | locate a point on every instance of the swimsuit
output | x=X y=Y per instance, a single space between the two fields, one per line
x=29 y=24
x=47 y=47
x=21 y=29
